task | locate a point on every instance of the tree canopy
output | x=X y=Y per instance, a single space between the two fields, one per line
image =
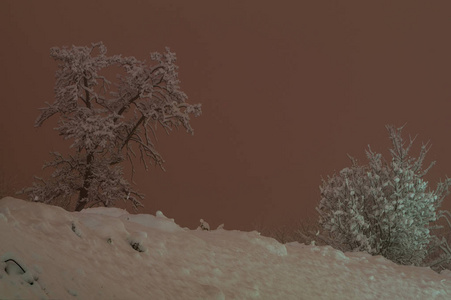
x=109 y=122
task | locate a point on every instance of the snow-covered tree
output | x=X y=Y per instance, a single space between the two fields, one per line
x=384 y=208
x=108 y=122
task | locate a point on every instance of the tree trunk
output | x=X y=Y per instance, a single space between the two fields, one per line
x=81 y=204
x=83 y=195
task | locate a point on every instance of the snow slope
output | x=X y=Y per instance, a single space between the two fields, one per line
x=106 y=253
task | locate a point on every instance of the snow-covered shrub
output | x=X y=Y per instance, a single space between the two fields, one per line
x=108 y=122
x=439 y=257
x=383 y=208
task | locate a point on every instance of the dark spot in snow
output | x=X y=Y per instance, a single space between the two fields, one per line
x=137 y=246
x=75 y=230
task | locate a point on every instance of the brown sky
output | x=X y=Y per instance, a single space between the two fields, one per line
x=287 y=91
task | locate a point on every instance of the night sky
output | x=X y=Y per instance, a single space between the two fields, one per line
x=287 y=90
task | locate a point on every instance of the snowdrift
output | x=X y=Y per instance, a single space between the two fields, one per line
x=106 y=253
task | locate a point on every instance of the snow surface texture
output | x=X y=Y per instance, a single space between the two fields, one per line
x=106 y=253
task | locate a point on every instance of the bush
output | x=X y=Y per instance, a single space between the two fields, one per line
x=383 y=208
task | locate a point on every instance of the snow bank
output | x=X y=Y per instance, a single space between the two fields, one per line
x=106 y=253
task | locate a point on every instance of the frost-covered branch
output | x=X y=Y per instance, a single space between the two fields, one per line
x=104 y=120
x=385 y=207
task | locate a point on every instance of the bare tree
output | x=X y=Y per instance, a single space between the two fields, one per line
x=108 y=122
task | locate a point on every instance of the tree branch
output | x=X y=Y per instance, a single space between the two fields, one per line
x=132 y=132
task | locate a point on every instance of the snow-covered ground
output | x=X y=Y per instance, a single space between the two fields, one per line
x=106 y=253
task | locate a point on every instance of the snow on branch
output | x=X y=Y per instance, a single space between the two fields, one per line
x=106 y=120
x=384 y=207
